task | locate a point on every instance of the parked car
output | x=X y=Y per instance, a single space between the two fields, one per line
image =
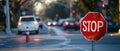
x=112 y=26
x=71 y=24
x=28 y=23
x=52 y=23
x=40 y=22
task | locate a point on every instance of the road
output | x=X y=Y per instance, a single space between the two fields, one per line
x=56 y=39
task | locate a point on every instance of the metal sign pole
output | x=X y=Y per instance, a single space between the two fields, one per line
x=93 y=46
x=71 y=15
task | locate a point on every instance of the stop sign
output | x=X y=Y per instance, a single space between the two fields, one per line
x=93 y=26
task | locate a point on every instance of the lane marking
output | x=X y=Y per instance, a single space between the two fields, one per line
x=45 y=27
x=58 y=31
x=61 y=33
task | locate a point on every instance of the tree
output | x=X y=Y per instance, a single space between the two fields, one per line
x=56 y=8
x=2 y=15
x=112 y=9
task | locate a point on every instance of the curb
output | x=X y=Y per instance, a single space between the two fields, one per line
x=1 y=37
x=4 y=35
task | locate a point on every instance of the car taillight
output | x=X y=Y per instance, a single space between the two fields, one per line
x=76 y=23
x=66 y=23
x=19 y=23
x=35 y=22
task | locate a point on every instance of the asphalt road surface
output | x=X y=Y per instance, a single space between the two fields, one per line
x=57 y=39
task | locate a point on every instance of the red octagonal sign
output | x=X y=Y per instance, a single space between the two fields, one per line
x=93 y=26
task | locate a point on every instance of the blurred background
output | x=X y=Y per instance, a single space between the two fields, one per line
x=49 y=8
x=57 y=25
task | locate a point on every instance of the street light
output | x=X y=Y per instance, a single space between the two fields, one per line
x=119 y=31
x=48 y=1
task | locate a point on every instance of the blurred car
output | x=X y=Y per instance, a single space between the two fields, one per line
x=40 y=22
x=61 y=21
x=28 y=23
x=71 y=24
x=52 y=23
x=112 y=26
x=77 y=24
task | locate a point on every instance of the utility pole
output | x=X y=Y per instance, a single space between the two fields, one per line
x=71 y=4
x=119 y=14
x=71 y=9
x=8 y=31
x=104 y=4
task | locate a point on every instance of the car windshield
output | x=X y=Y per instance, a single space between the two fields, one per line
x=38 y=19
x=111 y=21
x=71 y=21
x=27 y=19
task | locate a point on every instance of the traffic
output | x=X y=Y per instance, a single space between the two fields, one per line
x=59 y=25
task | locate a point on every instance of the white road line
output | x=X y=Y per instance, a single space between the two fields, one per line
x=58 y=31
x=62 y=34
x=45 y=26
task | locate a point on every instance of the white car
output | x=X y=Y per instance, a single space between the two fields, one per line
x=28 y=23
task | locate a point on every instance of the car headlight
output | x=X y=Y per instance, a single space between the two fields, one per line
x=54 y=23
x=49 y=23
x=19 y=23
x=35 y=22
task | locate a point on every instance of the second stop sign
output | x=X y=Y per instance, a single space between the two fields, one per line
x=93 y=26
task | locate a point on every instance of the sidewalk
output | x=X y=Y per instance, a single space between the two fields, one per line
x=4 y=35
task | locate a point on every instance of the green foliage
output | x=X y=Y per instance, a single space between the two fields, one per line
x=56 y=8
x=13 y=24
x=62 y=11
x=2 y=16
x=112 y=9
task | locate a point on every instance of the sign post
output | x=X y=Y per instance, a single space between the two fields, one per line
x=93 y=46
x=93 y=27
